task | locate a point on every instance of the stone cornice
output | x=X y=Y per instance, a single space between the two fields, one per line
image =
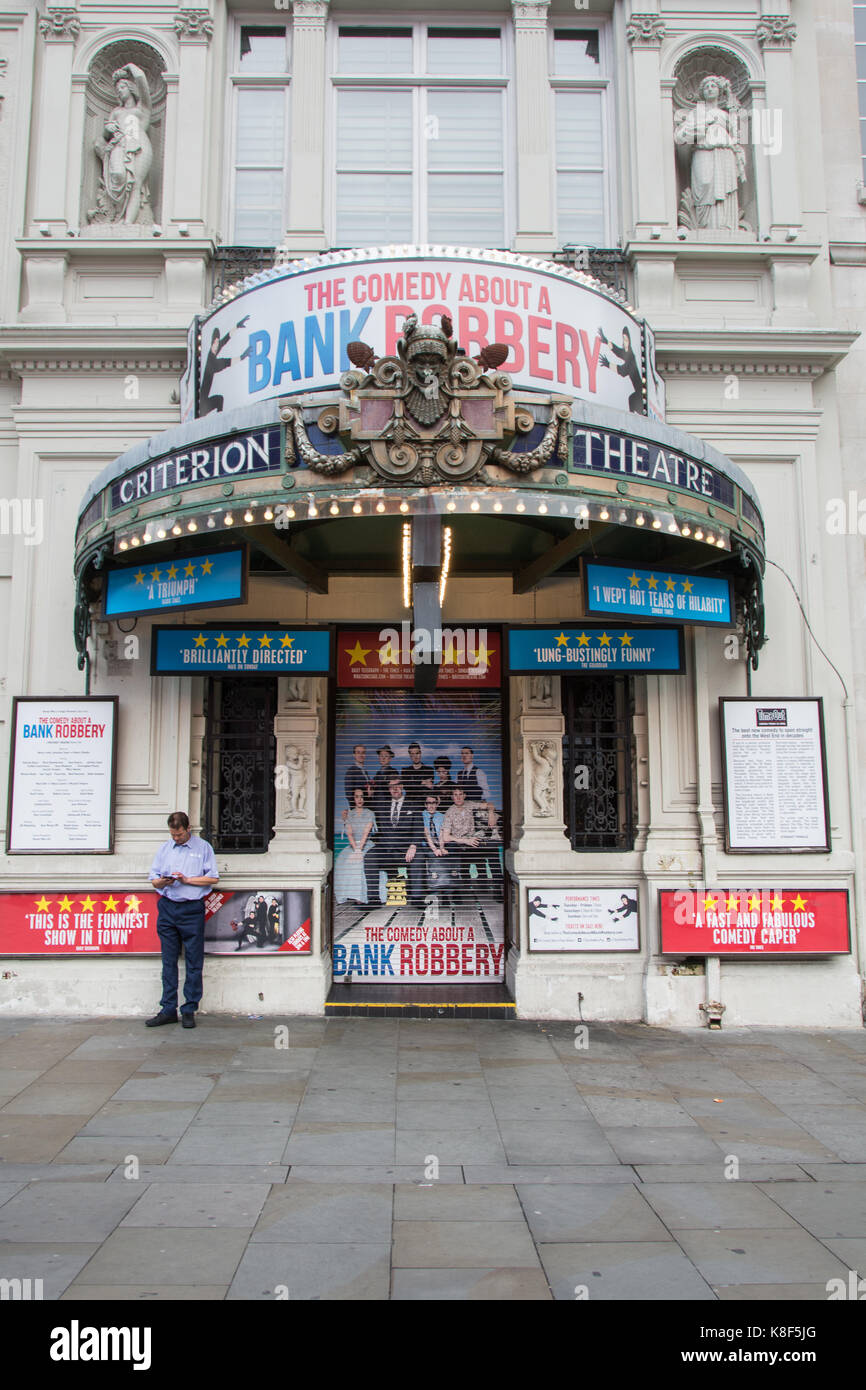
x=645 y=30
x=530 y=14
x=776 y=31
x=194 y=24
x=310 y=14
x=793 y=352
x=80 y=348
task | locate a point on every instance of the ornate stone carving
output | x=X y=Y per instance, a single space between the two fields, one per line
x=430 y=414
x=295 y=763
x=541 y=691
x=295 y=690
x=193 y=24
x=542 y=756
x=645 y=30
x=776 y=31
x=125 y=102
x=61 y=24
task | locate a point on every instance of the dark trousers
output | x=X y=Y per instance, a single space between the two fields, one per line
x=392 y=860
x=181 y=924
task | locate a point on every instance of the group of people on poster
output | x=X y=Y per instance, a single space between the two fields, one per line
x=419 y=823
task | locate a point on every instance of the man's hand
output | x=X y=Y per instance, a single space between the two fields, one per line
x=410 y=853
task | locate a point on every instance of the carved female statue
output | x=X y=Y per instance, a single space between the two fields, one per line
x=125 y=150
x=542 y=756
x=718 y=161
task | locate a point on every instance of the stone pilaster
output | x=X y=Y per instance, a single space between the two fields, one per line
x=536 y=230
x=299 y=728
x=59 y=29
x=652 y=148
x=306 y=229
x=539 y=828
x=776 y=34
x=194 y=28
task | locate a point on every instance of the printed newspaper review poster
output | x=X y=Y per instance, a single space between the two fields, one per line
x=418 y=797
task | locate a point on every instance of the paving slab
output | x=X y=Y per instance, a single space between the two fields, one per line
x=655 y=1144
x=452 y=1244
x=36 y=1138
x=480 y=1144
x=299 y=1272
x=145 y=1293
x=150 y=1119
x=469 y=1202
x=182 y=1255
x=114 y=1149
x=822 y=1208
x=639 y=1270
x=221 y=1144
x=326 y=1213
x=577 y=1142
x=65 y=1212
x=55 y=1263
x=346 y=1143
x=771 y=1293
x=581 y=1212
x=759 y=1257
x=240 y=1112
x=67 y=1098
x=387 y=1173
x=549 y=1173
x=232 y=1203
x=715 y=1205
x=203 y=1173
x=470 y=1285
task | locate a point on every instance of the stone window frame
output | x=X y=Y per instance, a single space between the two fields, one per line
x=238 y=81
x=604 y=83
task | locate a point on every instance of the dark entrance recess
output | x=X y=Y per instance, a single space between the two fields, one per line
x=598 y=758
x=239 y=756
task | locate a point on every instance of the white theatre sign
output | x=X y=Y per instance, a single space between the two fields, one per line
x=287 y=329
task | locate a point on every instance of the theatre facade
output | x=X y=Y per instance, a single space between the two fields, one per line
x=434 y=505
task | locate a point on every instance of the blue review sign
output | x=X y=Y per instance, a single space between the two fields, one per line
x=236 y=651
x=657 y=593
x=590 y=648
x=191 y=581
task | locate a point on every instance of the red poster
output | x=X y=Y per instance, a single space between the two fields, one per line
x=258 y=921
x=755 y=922
x=387 y=657
x=113 y=921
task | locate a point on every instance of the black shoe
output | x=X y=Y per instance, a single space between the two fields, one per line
x=188 y=1020
x=159 y=1019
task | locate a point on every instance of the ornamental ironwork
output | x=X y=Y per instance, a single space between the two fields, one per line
x=430 y=414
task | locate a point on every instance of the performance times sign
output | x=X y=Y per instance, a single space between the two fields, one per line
x=583 y=919
x=61 y=776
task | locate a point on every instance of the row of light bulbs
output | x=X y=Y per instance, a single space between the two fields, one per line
x=313 y=508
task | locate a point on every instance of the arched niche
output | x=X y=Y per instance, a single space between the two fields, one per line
x=124 y=138
x=716 y=194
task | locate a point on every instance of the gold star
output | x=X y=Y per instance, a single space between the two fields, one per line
x=798 y=904
x=482 y=656
x=171 y=573
x=206 y=566
x=139 y=578
x=634 y=582
x=201 y=640
x=604 y=640
x=583 y=640
x=110 y=903
x=155 y=575
x=670 y=583
x=652 y=582
x=64 y=904
x=358 y=655
x=43 y=904
x=625 y=640
x=389 y=655
x=87 y=904
x=190 y=569
x=222 y=640
x=133 y=903
x=562 y=640
x=709 y=903
x=243 y=640
x=754 y=902
x=777 y=903
x=733 y=902
x=287 y=641
x=687 y=586
x=265 y=641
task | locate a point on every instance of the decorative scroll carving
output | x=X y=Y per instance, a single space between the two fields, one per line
x=193 y=24
x=645 y=30
x=776 y=31
x=430 y=414
x=61 y=24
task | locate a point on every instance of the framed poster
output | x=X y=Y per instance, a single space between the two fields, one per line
x=754 y=922
x=774 y=768
x=61 y=775
x=583 y=919
x=78 y=921
x=258 y=922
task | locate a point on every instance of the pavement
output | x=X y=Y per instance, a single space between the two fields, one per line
x=413 y=1159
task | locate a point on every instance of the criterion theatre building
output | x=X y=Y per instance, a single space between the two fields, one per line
x=419 y=434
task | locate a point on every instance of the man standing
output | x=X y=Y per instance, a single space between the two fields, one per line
x=397 y=843
x=380 y=796
x=458 y=837
x=183 y=871
x=357 y=776
x=417 y=778
x=471 y=778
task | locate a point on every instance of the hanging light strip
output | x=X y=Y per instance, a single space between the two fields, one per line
x=446 y=563
x=407 y=564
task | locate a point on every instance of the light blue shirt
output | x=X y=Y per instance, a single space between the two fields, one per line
x=434 y=822
x=195 y=858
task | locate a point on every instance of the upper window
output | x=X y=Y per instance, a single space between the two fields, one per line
x=860 y=42
x=420 y=135
x=580 y=87
x=260 y=101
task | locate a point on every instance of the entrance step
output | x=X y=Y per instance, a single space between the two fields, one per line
x=419 y=1001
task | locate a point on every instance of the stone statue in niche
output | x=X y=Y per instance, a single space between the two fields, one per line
x=296 y=690
x=708 y=131
x=125 y=153
x=295 y=779
x=541 y=691
x=542 y=758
